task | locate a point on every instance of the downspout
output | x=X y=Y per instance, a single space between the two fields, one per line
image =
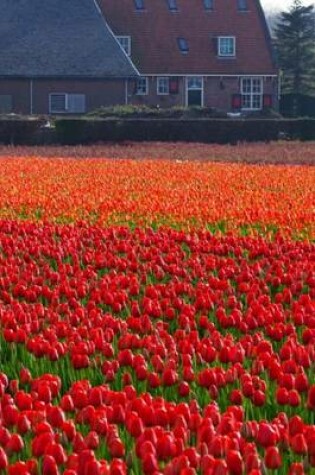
x=31 y=96
x=126 y=92
x=279 y=88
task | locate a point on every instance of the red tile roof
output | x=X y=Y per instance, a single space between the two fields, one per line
x=155 y=31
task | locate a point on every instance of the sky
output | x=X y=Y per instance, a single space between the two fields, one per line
x=281 y=4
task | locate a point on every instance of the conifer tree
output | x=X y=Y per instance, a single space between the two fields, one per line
x=295 y=42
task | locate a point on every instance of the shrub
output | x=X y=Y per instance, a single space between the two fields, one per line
x=15 y=130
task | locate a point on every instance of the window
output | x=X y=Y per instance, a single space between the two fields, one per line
x=252 y=93
x=139 y=4
x=5 y=104
x=142 y=87
x=172 y=5
x=66 y=103
x=183 y=45
x=242 y=5
x=125 y=43
x=194 y=91
x=163 y=86
x=208 y=4
x=226 y=46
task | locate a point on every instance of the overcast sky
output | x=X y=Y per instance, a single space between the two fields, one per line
x=281 y=4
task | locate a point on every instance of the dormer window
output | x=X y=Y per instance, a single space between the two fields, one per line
x=172 y=5
x=226 y=46
x=208 y=5
x=183 y=45
x=139 y=4
x=125 y=43
x=242 y=5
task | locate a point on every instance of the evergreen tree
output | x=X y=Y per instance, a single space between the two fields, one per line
x=295 y=42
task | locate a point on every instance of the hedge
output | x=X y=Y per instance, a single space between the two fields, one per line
x=87 y=131
x=20 y=131
x=73 y=131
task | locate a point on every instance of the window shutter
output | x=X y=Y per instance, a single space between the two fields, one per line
x=5 y=103
x=215 y=45
x=174 y=85
x=267 y=100
x=57 y=103
x=236 y=101
x=76 y=103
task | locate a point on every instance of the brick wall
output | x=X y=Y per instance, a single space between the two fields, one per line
x=20 y=92
x=98 y=93
x=217 y=93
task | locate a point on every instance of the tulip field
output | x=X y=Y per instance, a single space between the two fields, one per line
x=157 y=314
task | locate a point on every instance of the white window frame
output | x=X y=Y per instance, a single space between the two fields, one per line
x=221 y=53
x=252 y=94
x=66 y=97
x=208 y=7
x=201 y=88
x=125 y=43
x=242 y=7
x=172 y=5
x=163 y=86
x=142 y=91
x=183 y=45
x=139 y=5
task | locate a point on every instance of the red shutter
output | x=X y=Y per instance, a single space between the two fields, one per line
x=267 y=100
x=236 y=101
x=174 y=85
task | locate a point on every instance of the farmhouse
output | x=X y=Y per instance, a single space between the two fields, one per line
x=196 y=52
x=59 y=56
x=69 y=57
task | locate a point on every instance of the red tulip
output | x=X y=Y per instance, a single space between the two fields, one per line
x=298 y=444
x=18 y=468
x=3 y=459
x=259 y=398
x=49 y=466
x=272 y=458
x=15 y=444
x=57 y=452
x=296 y=468
x=234 y=462
x=296 y=425
x=149 y=463
x=116 y=448
x=169 y=377
x=266 y=436
x=92 y=440
x=117 y=467
x=311 y=398
x=55 y=416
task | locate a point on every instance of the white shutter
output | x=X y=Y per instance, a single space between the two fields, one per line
x=76 y=103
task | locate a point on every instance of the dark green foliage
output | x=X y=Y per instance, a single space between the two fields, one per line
x=306 y=105
x=295 y=42
x=19 y=131
x=87 y=131
x=93 y=131
x=142 y=112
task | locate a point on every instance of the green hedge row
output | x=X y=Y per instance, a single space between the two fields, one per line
x=78 y=131
x=87 y=131
x=19 y=131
